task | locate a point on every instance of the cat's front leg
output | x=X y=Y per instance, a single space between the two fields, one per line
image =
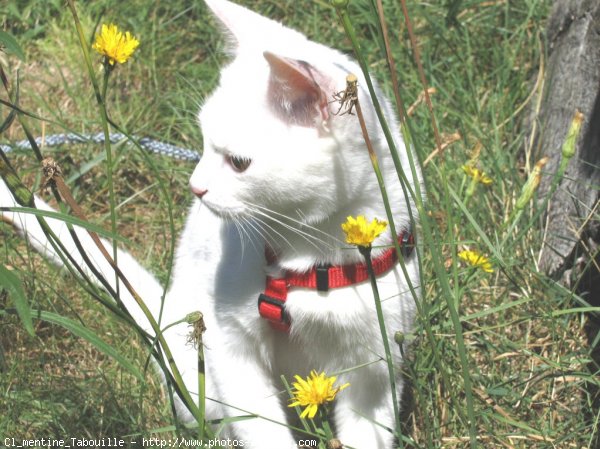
x=245 y=388
x=364 y=414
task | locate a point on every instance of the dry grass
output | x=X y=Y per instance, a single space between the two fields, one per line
x=528 y=361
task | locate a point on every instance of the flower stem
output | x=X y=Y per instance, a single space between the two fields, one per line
x=421 y=72
x=324 y=418
x=201 y=391
x=349 y=28
x=196 y=320
x=100 y=99
x=377 y=170
x=109 y=162
x=416 y=194
x=470 y=190
x=176 y=375
x=366 y=252
x=568 y=150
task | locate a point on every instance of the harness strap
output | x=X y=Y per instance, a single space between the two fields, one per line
x=271 y=303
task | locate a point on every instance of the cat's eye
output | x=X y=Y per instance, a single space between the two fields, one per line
x=238 y=163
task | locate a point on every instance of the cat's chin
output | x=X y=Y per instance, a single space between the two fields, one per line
x=225 y=213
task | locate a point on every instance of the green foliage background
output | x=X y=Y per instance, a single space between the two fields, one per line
x=524 y=334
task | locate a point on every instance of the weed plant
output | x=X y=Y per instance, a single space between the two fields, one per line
x=498 y=359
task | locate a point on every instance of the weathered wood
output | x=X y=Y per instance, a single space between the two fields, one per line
x=572 y=82
x=572 y=223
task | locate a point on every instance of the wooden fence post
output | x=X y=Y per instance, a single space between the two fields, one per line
x=572 y=82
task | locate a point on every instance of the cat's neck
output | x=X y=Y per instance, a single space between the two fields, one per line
x=303 y=247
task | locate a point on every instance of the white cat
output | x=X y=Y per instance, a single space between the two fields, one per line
x=281 y=169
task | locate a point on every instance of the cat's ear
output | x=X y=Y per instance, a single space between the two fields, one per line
x=240 y=24
x=298 y=91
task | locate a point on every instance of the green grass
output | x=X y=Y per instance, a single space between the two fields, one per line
x=527 y=349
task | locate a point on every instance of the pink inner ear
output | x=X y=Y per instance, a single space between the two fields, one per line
x=297 y=90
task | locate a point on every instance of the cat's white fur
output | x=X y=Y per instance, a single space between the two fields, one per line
x=309 y=171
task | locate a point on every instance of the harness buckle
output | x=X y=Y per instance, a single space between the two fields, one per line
x=407 y=244
x=322 y=272
x=273 y=310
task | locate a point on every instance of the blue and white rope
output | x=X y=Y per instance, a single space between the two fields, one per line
x=153 y=146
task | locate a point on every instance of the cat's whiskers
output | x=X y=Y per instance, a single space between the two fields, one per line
x=305 y=236
x=259 y=228
x=242 y=232
x=301 y=214
x=266 y=226
x=297 y=229
x=314 y=241
x=252 y=228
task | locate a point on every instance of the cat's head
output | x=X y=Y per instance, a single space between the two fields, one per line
x=272 y=140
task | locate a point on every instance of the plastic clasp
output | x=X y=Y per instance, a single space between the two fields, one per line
x=407 y=244
x=322 y=278
x=273 y=309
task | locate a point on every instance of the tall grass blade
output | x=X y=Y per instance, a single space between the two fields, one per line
x=9 y=44
x=81 y=331
x=12 y=284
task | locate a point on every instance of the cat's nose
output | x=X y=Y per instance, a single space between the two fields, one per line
x=199 y=192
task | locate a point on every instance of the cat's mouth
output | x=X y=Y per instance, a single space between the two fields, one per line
x=225 y=212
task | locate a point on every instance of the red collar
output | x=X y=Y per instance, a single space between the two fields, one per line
x=271 y=303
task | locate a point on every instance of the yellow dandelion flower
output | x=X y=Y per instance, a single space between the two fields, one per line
x=477 y=260
x=114 y=45
x=359 y=232
x=477 y=175
x=313 y=392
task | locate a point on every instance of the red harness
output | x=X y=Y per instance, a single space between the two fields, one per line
x=271 y=303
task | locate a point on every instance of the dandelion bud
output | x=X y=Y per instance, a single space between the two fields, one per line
x=196 y=322
x=193 y=317
x=568 y=149
x=334 y=443
x=399 y=338
x=532 y=184
x=340 y=3
x=50 y=169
